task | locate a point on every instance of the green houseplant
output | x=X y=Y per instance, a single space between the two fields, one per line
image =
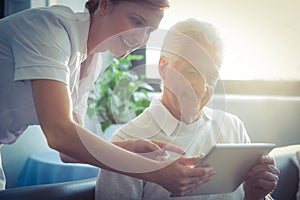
x=120 y=94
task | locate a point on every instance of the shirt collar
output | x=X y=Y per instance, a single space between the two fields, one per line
x=166 y=121
x=208 y=113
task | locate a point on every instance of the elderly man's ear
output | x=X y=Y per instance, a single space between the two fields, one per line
x=162 y=66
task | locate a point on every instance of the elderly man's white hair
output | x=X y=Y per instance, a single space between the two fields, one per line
x=203 y=33
x=200 y=44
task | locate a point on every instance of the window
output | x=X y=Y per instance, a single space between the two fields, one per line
x=262 y=42
x=262 y=38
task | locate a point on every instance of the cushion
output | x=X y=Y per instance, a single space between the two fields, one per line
x=287 y=163
x=70 y=190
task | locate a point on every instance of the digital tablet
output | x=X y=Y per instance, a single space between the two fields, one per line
x=231 y=163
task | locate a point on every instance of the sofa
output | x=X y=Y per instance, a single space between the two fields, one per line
x=85 y=189
x=288 y=164
x=72 y=190
x=273 y=119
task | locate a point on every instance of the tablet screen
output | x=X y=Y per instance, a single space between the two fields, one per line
x=231 y=163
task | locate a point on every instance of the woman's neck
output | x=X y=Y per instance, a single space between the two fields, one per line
x=95 y=37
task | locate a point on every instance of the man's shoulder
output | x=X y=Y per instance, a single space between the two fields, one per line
x=141 y=127
x=217 y=115
x=231 y=126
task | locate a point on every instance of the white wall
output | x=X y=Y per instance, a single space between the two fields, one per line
x=268 y=118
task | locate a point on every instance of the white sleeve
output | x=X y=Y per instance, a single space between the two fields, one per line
x=44 y=51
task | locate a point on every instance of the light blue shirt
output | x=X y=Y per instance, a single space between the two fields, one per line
x=157 y=123
x=42 y=43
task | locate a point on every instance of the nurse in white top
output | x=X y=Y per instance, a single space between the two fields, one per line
x=48 y=63
x=190 y=59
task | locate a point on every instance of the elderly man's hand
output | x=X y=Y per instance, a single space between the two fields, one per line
x=262 y=179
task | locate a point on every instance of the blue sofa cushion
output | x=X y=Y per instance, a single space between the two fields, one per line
x=286 y=162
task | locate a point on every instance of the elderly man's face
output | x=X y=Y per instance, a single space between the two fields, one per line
x=187 y=85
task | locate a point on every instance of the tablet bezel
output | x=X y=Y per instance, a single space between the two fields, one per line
x=231 y=163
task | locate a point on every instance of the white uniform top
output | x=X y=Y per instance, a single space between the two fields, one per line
x=157 y=123
x=42 y=43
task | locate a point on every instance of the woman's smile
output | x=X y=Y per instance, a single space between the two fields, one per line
x=127 y=43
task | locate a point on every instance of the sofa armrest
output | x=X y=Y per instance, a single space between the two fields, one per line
x=72 y=190
x=286 y=162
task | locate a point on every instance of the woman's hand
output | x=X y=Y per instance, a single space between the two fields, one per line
x=149 y=148
x=262 y=179
x=180 y=178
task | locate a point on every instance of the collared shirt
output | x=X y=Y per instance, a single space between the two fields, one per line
x=157 y=123
x=42 y=43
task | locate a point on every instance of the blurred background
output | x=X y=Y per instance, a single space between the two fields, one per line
x=260 y=76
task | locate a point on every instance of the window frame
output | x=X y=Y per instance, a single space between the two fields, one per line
x=232 y=87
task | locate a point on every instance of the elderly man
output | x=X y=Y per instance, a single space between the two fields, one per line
x=189 y=63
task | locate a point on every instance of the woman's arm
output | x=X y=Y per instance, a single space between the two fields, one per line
x=151 y=149
x=65 y=158
x=54 y=110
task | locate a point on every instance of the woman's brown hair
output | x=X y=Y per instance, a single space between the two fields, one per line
x=92 y=5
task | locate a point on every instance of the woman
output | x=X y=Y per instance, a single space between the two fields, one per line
x=47 y=59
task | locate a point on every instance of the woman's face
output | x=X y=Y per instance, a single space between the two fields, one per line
x=123 y=27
